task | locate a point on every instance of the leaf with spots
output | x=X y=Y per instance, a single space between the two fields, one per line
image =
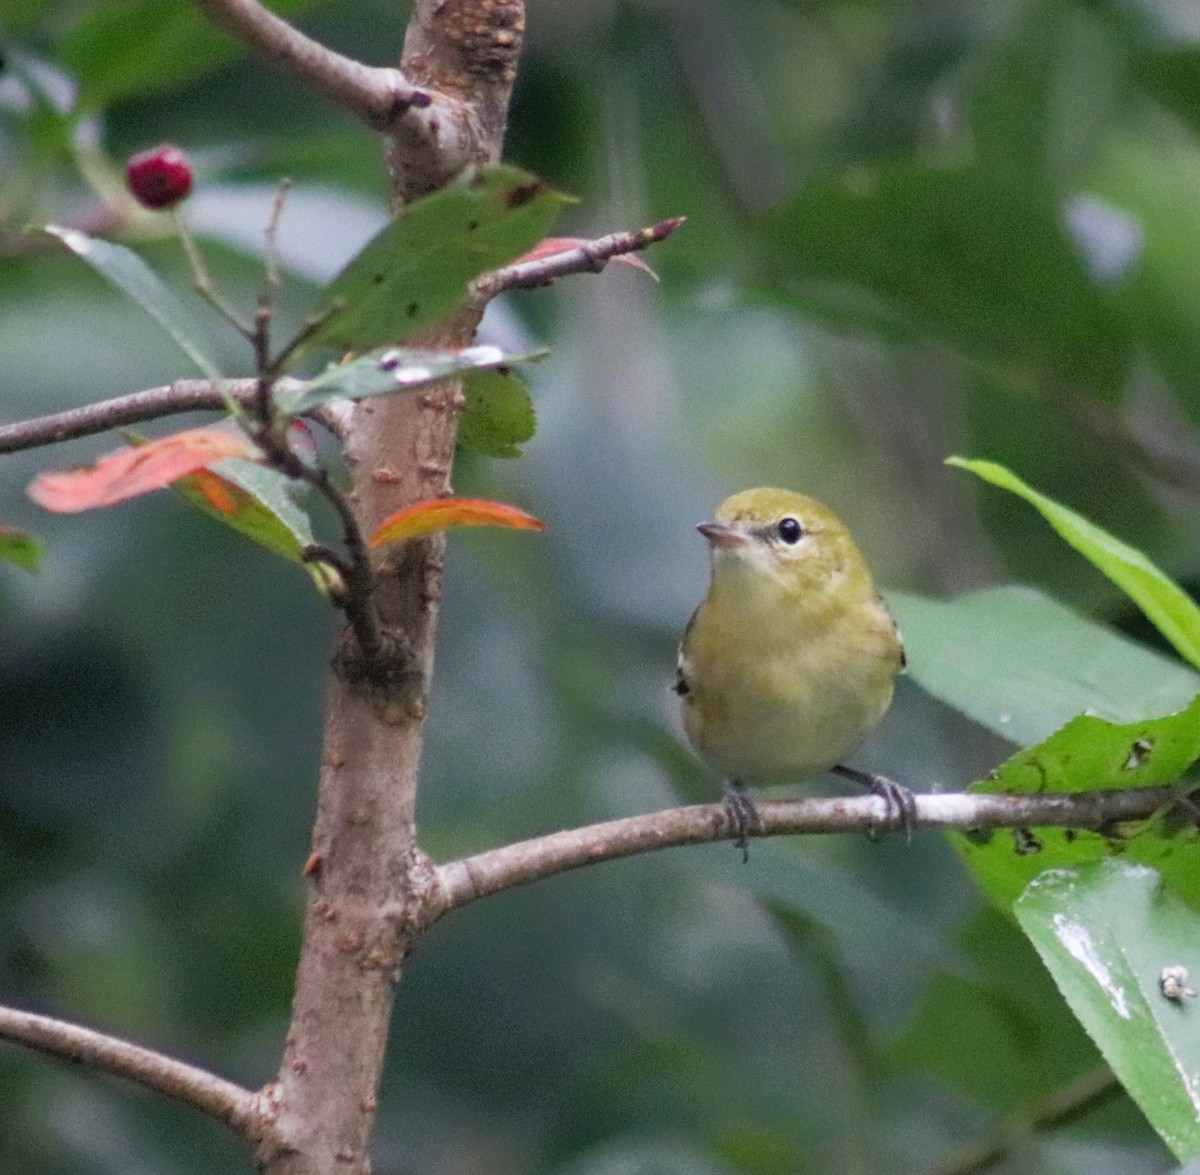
x=396 y=369
x=416 y=270
x=1106 y=933
x=499 y=415
x=1089 y=754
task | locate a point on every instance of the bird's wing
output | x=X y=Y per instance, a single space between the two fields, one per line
x=899 y=635
x=681 y=686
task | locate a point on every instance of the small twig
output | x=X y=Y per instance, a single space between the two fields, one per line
x=198 y=394
x=374 y=94
x=588 y=257
x=501 y=869
x=264 y=313
x=202 y=280
x=1059 y=1109
x=355 y=569
x=195 y=1087
x=269 y=433
x=271 y=258
x=263 y=430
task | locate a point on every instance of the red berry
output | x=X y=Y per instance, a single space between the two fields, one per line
x=160 y=177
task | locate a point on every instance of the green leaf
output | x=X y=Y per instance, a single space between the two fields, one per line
x=1022 y=664
x=1172 y=78
x=1172 y=611
x=858 y=919
x=961 y=257
x=499 y=414
x=398 y=369
x=130 y=47
x=22 y=17
x=19 y=548
x=416 y=270
x=1105 y=933
x=124 y=269
x=1003 y=1007
x=1155 y=190
x=1089 y=754
x=1043 y=96
x=809 y=940
x=1036 y=435
x=258 y=502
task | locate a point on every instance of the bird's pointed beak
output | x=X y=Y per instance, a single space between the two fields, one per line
x=724 y=534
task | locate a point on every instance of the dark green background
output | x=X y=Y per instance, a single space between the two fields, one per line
x=914 y=229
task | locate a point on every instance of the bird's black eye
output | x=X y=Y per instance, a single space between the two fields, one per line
x=790 y=530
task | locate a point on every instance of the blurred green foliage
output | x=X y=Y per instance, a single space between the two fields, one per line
x=914 y=229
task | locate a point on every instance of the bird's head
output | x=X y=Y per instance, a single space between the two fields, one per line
x=785 y=536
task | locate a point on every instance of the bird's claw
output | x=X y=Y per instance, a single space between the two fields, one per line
x=741 y=816
x=899 y=804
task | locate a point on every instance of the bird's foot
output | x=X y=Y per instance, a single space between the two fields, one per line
x=900 y=805
x=742 y=816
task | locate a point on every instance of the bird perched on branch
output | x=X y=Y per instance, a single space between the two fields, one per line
x=790 y=660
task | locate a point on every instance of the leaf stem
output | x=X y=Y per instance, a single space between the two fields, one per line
x=202 y=280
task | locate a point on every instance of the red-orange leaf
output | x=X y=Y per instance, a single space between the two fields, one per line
x=443 y=513
x=551 y=246
x=137 y=470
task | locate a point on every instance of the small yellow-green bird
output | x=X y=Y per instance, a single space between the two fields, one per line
x=790 y=660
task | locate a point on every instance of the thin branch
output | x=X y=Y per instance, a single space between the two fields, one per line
x=269 y=369
x=184 y=395
x=374 y=94
x=1059 y=1109
x=357 y=572
x=189 y=395
x=500 y=869
x=230 y=1103
x=586 y=257
x=311 y=325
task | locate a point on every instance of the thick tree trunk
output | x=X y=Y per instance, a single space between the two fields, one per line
x=372 y=888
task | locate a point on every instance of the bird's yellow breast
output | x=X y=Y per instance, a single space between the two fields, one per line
x=783 y=675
